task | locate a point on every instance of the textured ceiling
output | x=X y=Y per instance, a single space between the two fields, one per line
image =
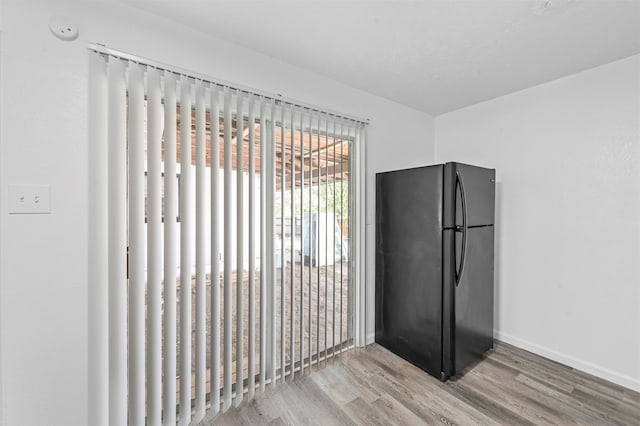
x=434 y=56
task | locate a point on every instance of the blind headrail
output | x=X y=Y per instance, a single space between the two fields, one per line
x=275 y=97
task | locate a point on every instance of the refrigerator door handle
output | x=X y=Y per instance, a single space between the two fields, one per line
x=460 y=271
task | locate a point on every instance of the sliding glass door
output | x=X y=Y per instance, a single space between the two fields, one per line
x=233 y=239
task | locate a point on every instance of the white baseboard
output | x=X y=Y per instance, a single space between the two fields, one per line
x=587 y=367
x=371 y=338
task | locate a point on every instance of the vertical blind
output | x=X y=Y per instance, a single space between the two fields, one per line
x=227 y=239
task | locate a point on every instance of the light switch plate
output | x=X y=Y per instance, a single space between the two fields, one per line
x=29 y=199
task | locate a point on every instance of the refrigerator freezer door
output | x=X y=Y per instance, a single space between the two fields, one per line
x=409 y=264
x=468 y=312
x=479 y=188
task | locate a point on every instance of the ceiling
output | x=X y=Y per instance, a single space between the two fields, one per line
x=434 y=56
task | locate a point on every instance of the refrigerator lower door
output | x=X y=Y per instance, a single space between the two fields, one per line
x=409 y=265
x=468 y=306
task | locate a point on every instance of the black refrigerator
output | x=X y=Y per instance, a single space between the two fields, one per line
x=434 y=265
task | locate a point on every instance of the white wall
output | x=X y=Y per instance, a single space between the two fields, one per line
x=391 y=148
x=1 y=202
x=43 y=281
x=567 y=155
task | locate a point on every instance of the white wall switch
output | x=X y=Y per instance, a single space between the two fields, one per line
x=29 y=199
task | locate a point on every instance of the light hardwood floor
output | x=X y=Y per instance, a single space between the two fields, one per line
x=373 y=386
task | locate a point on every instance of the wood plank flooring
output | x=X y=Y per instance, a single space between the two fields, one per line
x=373 y=386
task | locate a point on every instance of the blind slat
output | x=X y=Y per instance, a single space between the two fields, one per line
x=98 y=248
x=170 y=252
x=354 y=231
x=361 y=255
x=117 y=244
x=310 y=241
x=240 y=250
x=227 y=252
x=349 y=274
x=186 y=213
x=333 y=244
x=283 y=258
x=302 y=267
x=215 y=251
x=251 y=326
x=154 y=249
x=317 y=248
x=292 y=304
x=272 y=245
x=340 y=234
x=263 y=248
x=136 y=246
x=326 y=243
x=201 y=235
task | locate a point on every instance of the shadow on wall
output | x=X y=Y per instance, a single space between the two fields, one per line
x=497 y=257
